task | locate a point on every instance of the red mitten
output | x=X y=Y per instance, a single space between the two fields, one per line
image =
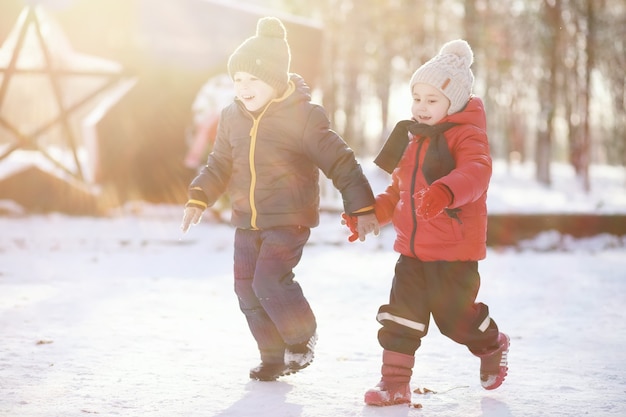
x=351 y=222
x=432 y=200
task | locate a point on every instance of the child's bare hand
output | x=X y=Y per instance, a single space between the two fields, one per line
x=191 y=216
x=367 y=223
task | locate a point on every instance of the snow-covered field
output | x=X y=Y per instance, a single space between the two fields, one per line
x=123 y=316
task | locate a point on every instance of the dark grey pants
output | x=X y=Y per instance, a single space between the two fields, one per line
x=276 y=310
x=448 y=291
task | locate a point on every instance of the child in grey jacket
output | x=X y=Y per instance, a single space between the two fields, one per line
x=270 y=146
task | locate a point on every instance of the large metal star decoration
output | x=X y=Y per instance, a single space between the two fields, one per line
x=43 y=86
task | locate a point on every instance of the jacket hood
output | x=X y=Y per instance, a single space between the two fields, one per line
x=473 y=114
x=298 y=91
x=302 y=91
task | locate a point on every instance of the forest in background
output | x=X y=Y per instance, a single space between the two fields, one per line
x=551 y=72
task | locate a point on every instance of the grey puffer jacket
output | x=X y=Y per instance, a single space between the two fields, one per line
x=269 y=163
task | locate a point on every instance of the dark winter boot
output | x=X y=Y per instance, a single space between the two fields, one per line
x=394 y=386
x=268 y=371
x=300 y=356
x=494 y=364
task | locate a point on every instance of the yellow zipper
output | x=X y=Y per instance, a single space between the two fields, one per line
x=253 y=132
x=253 y=136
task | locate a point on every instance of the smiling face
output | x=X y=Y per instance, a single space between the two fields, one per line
x=252 y=91
x=429 y=104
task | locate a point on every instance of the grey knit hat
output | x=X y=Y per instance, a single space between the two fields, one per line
x=265 y=55
x=449 y=72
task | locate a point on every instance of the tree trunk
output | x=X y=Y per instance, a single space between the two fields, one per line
x=548 y=90
x=586 y=140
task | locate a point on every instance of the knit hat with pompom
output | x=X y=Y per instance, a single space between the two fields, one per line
x=265 y=55
x=449 y=72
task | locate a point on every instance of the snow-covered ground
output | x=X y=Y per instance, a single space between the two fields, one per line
x=123 y=316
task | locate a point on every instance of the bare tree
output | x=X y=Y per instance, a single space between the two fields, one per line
x=548 y=87
x=537 y=63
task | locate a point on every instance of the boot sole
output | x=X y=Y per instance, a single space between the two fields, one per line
x=288 y=371
x=294 y=369
x=376 y=402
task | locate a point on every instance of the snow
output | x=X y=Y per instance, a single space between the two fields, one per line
x=124 y=316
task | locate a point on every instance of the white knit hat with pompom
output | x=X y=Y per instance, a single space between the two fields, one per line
x=449 y=72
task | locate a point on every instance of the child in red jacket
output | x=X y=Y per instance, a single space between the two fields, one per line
x=441 y=167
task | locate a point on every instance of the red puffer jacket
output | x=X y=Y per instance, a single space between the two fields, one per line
x=443 y=238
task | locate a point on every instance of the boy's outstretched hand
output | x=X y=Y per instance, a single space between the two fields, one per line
x=191 y=216
x=361 y=225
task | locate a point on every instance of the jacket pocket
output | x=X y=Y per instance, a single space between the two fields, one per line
x=442 y=229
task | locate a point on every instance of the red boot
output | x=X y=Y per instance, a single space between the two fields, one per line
x=494 y=364
x=394 y=386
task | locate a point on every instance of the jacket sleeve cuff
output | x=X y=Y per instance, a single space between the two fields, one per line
x=197 y=198
x=443 y=187
x=196 y=203
x=364 y=210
